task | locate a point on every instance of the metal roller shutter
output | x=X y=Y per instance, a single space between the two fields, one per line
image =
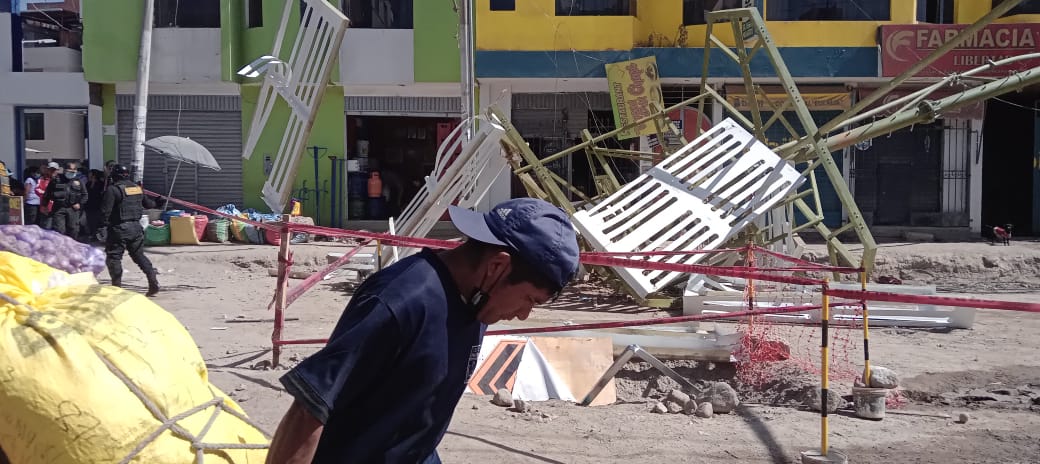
x=402 y=106
x=211 y=121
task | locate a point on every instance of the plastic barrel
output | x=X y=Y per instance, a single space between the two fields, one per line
x=376 y=208
x=171 y=213
x=357 y=185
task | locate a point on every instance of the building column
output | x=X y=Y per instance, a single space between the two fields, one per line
x=975 y=176
x=500 y=96
x=95 y=138
x=9 y=145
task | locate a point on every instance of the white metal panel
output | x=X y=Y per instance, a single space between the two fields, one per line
x=463 y=180
x=377 y=56
x=300 y=81
x=697 y=198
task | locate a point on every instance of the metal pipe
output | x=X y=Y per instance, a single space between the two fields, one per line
x=917 y=96
x=825 y=363
x=984 y=21
x=166 y=204
x=900 y=120
x=615 y=132
x=333 y=194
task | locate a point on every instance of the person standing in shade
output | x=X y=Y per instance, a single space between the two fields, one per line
x=385 y=386
x=121 y=209
x=69 y=195
x=43 y=216
x=95 y=192
x=32 y=199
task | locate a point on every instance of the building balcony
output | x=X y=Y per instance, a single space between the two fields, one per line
x=51 y=59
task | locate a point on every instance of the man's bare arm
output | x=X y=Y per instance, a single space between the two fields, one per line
x=296 y=438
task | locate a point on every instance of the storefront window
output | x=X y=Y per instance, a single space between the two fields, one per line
x=1026 y=7
x=595 y=7
x=696 y=11
x=935 y=11
x=379 y=14
x=187 y=13
x=828 y=10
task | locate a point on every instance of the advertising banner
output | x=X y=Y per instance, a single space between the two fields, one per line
x=902 y=46
x=634 y=85
x=814 y=101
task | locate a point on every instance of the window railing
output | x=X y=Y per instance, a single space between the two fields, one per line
x=187 y=13
x=935 y=11
x=379 y=14
x=828 y=10
x=696 y=11
x=1026 y=7
x=596 y=7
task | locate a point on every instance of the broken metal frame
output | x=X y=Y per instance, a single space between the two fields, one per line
x=301 y=82
x=630 y=351
x=813 y=147
x=748 y=29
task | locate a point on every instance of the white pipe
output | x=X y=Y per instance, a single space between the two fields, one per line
x=466 y=50
x=144 y=60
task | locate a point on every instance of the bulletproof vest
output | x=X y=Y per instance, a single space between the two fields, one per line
x=74 y=192
x=131 y=207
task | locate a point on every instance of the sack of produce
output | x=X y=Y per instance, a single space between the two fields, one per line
x=51 y=248
x=217 y=231
x=157 y=234
x=90 y=373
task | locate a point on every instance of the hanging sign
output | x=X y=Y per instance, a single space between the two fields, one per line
x=902 y=46
x=634 y=85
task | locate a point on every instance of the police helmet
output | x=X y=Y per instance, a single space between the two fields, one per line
x=119 y=172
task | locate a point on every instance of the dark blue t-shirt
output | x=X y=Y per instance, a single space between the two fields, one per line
x=396 y=365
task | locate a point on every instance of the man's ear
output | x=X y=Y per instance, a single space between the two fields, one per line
x=498 y=264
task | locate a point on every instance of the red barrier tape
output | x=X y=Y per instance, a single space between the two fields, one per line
x=935 y=300
x=593 y=258
x=203 y=209
x=387 y=239
x=313 y=279
x=608 y=325
x=658 y=321
x=622 y=254
x=742 y=273
x=792 y=259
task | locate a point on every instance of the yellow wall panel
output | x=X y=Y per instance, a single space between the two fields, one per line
x=534 y=26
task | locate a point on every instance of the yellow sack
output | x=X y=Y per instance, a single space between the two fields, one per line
x=182 y=231
x=72 y=352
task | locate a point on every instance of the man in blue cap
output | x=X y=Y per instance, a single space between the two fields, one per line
x=386 y=385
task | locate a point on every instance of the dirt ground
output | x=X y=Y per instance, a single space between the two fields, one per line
x=991 y=372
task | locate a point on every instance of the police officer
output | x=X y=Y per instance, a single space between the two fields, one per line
x=121 y=209
x=69 y=195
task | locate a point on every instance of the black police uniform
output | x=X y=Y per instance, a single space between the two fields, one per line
x=121 y=209
x=69 y=196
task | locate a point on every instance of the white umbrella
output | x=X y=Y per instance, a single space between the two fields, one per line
x=183 y=150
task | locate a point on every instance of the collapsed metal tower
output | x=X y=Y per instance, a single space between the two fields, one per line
x=741 y=36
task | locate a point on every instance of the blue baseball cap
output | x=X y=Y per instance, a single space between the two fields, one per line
x=539 y=232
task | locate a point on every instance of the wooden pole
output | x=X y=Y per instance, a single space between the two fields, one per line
x=284 y=263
